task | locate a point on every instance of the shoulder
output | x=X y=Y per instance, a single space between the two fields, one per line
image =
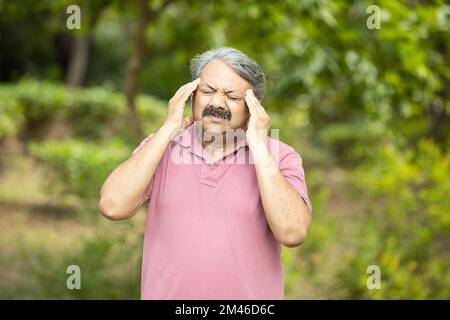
x=143 y=142
x=282 y=151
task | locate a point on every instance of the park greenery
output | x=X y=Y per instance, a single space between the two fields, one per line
x=367 y=109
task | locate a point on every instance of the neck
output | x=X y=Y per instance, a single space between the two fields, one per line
x=217 y=144
x=220 y=144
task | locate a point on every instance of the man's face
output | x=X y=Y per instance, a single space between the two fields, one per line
x=219 y=100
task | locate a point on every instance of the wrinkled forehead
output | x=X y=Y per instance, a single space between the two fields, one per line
x=220 y=75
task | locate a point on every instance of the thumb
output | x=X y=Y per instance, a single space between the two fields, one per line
x=246 y=124
x=188 y=121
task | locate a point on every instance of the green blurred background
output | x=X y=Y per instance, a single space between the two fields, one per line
x=367 y=109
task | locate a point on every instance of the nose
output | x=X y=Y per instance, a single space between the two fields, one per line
x=218 y=99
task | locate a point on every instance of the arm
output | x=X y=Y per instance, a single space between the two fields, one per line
x=286 y=213
x=122 y=194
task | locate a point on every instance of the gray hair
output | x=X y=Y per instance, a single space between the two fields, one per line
x=239 y=61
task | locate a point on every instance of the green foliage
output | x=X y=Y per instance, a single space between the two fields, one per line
x=354 y=140
x=406 y=231
x=416 y=179
x=109 y=262
x=94 y=113
x=82 y=166
x=31 y=105
x=11 y=114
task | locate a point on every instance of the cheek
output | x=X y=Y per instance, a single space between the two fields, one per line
x=198 y=105
x=240 y=114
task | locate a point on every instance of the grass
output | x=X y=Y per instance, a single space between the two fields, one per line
x=42 y=234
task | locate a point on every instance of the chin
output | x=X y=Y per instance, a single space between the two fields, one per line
x=213 y=128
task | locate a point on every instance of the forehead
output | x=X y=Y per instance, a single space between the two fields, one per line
x=219 y=74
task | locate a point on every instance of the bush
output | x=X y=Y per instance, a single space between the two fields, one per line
x=81 y=166
x=11 y=114
x=109 y=260
x=96 y=112
x=355 y=140
x=406 y=229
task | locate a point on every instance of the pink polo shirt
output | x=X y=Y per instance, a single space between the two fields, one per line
x=206 y=233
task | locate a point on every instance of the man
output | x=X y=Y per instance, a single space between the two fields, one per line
x=221 y=203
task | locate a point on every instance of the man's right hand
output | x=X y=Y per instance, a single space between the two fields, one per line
x=175 y=115
x=122 y=194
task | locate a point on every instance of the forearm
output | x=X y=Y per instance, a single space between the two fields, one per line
x=122 y=192
x=286 y=213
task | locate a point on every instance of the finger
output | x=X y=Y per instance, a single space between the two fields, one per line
x=184 y=95
x=187 y=90
x=183 y=87
x=250 y=105
x=250 y=102
x=260 y=109
x=252 y=95
x=246 y=124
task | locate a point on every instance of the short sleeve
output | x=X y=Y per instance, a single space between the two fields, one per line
x=149 y=189
x=291 y=166
x=141 y=145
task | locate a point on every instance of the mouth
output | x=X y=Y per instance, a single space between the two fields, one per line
x=217 y=114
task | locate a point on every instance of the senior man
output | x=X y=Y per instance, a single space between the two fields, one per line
x=222 y=195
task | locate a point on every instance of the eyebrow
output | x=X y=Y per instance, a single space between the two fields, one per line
x=226 y=92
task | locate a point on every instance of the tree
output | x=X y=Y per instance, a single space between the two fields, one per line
x=145 y=14
x=81 y=42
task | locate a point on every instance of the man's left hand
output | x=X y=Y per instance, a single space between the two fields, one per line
x=259 y=122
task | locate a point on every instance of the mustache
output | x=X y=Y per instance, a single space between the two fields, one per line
x=217 y=112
